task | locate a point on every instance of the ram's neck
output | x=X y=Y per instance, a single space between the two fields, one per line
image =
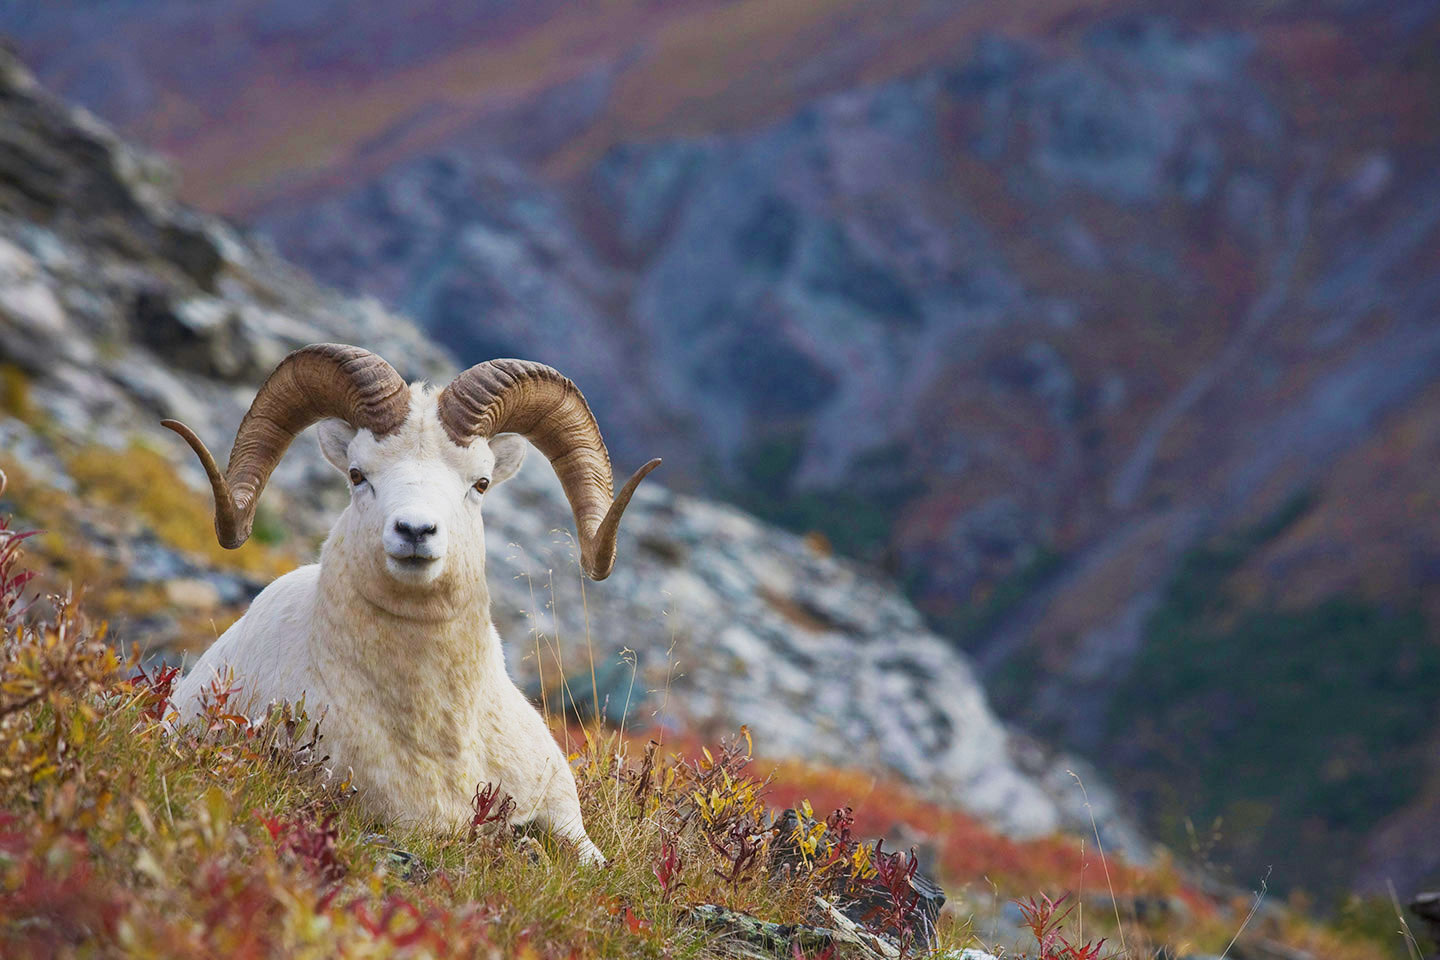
x=398 y=648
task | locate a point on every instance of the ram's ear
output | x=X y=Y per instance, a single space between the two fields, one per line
x=335 y=436
x=509 y=450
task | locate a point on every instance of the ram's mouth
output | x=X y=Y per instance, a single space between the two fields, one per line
x=412 y=566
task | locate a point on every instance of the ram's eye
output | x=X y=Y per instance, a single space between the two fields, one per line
x=482 y=484
x=356 y=477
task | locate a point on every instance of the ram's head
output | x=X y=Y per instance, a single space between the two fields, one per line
x=419 y=462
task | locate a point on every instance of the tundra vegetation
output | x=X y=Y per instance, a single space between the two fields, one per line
x=117 y=839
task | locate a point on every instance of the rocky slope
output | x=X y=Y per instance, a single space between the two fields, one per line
x=118 y=307
x=1111 y=335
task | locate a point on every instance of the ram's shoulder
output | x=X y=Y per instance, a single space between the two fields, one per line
x=297 y=586
x=282 y=609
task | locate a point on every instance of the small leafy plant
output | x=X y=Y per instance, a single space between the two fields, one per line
x=1045 y=919
x=493 y=809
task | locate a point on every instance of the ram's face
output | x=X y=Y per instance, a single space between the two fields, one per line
x=415 y=496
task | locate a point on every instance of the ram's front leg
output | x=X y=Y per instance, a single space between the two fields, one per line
x=556 y=806
x=560 y=814
x=544 y=785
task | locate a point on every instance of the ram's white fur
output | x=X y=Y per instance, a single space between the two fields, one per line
x=400 y=652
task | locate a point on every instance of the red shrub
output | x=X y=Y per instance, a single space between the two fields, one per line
x=491 y=806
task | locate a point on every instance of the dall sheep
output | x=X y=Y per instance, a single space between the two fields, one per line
x=390 y=633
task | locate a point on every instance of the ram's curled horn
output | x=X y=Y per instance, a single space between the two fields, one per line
x=542 y=405
x=314 y=383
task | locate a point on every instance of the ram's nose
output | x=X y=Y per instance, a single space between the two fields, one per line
x=413 y=536
x=414 y=531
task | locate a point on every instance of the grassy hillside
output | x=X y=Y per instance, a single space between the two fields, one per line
x=229 y=838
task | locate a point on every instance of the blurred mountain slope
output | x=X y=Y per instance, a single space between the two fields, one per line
x=1113 y=335
x=275 y=96
x=120 y=306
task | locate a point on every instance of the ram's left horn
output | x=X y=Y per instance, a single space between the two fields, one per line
x=541 y=404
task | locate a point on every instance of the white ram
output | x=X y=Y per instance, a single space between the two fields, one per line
x=390 y=633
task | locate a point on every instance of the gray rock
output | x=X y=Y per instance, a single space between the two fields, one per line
x=1426 y=906
x=150 y=561
x=733 y=622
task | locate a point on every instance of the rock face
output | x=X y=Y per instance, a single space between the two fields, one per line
x=735 y=622
x=120 y=307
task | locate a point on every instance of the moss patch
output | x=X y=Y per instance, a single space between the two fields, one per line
x=1287 y=733
x=143 y=482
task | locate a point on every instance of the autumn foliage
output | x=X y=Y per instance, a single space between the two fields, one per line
x=234 y=837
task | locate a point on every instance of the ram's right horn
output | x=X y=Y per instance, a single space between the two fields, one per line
x=313 y=383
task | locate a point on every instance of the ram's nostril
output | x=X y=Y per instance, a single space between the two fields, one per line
x=414 y=532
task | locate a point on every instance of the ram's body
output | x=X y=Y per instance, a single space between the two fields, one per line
x=389 y=636
x=416 y=734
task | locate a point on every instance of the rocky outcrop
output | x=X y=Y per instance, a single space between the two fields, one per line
x=1426 y=906
x=118 y=305
x=711 y=620
x=730 y=622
